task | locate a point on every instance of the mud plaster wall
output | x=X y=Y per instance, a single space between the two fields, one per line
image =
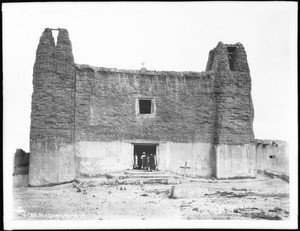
x=106 y=105
x=200 y=157
x=98 y=158
x=272 y=155
x=235 y=161
x=234 y=107
x=209 y=107
x=192 y=110
x=52 y=111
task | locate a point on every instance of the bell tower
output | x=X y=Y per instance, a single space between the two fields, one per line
x=52 y=111
x=234 y=113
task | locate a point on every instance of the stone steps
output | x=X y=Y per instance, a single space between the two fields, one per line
x=84 y=182
x=129 y=177
x=150 y=180
x=142 y=174
x=133 y=172
x=148 y=176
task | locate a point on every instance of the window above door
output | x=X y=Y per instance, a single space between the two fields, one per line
x=145 y=107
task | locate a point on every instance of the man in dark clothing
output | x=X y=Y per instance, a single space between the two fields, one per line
x=151 y=162
x=144 y=160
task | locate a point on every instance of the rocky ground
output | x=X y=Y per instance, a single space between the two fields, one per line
x=261 y=198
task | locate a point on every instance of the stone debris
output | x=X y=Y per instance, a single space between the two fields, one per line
x=154 y=201
x=276 y=209
x=273 y=174
x=235 y=189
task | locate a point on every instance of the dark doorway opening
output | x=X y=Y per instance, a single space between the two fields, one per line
x=146 y=161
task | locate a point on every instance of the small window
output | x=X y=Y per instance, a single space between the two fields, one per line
x=145 y=106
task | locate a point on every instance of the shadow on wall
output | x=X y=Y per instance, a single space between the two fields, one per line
x=272 y=155
x=212 y=161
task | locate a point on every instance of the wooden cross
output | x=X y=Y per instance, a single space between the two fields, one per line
x=185 y=168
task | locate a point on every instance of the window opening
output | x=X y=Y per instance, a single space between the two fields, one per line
x=231 y=51
x=145 y=106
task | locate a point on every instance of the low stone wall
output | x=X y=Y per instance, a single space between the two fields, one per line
x=272 y=155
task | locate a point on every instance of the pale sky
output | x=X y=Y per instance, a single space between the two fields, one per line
x=165 y=36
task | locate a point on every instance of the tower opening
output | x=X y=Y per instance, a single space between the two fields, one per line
x=55 y=35
x=231 y=57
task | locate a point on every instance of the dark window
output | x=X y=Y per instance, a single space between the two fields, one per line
x=145 y=106
x=231 y=57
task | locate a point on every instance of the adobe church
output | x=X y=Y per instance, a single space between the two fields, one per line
x=90 y=121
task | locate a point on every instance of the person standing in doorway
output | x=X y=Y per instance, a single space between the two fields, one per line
x=135 y=165
x=148 y=162
x=151 y=161
x=144 y=160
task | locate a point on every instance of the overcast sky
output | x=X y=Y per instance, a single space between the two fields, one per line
x=165 y=36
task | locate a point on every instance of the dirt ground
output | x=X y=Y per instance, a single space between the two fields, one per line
x=236 y=199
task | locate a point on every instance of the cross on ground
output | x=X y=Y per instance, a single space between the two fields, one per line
x=185 y=168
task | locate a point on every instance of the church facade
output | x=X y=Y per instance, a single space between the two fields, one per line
x=90 y=121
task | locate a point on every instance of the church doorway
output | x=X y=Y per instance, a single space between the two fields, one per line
x=144 y=156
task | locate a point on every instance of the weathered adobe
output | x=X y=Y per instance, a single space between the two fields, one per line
x=53 y=85
x=72 y=103
x=52 y=111
x=213 y=106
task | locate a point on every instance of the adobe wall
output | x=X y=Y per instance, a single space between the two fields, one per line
x=213 y=107
x=235 y=161
x=106 y=98
x=200 y=157
x=234 y=112
x=192 y=108
x=272 y=155
x=52 y=111
x=95 y=158
x=106 y=118
x=234 y=139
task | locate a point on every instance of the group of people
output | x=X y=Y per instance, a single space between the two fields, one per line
x=148 y=161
